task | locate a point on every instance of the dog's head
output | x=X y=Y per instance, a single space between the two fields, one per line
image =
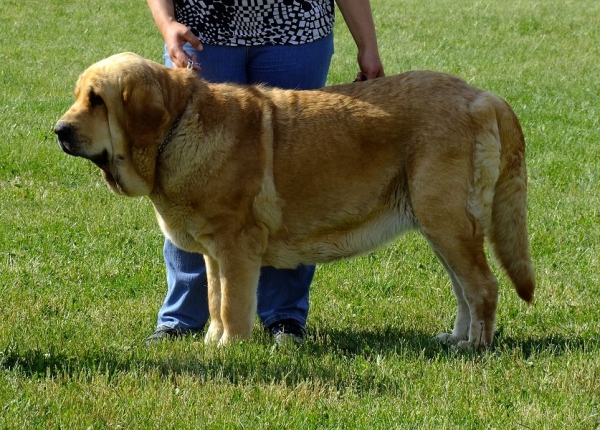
x=123 y=109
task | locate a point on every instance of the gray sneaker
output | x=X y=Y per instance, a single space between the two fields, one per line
x=168 y=333
x=287 y=331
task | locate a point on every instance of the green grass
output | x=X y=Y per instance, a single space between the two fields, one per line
x=82 y=275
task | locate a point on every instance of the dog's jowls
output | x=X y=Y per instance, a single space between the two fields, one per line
x=252 y=176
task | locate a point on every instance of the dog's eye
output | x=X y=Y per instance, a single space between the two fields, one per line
x=95 y=99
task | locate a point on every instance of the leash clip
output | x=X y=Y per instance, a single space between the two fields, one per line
x=191 y=64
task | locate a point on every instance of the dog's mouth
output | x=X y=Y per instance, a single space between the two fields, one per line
x=100 y=160
x=65 y=147
x=111 y=181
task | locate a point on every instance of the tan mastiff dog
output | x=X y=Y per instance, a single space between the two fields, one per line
x=251 y=176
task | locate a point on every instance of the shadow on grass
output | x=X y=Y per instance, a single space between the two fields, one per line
x=335 y=357
x=34 y=362
x=169 y=357
x=550 y=345
x=372 y=341
x=424 y=345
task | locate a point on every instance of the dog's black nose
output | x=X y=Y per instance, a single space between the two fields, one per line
x=63 y=130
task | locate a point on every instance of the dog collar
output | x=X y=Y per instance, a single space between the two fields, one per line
x=167 y=138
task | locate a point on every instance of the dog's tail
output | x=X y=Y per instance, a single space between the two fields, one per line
x=508 y=230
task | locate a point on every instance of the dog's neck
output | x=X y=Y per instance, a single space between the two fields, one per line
x=167 y=137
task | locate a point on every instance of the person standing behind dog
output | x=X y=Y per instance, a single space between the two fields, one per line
x=279 y=43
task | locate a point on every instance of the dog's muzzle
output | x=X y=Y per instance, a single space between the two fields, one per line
x=64 y=133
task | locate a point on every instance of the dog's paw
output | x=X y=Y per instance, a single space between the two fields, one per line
x=465 y=345
x=447 y=339
x=228 y=339
x=213 y=334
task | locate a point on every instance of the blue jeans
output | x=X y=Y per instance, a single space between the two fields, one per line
x=282 y=293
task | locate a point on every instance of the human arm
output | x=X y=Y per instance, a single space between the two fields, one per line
x=359 y=19
x=174 y=33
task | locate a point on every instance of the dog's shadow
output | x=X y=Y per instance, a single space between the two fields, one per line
x=367 y=360
x=391 y=340
x=329 y=354
x=366 y=341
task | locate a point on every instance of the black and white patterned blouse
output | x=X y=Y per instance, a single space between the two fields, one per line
x=256 y=22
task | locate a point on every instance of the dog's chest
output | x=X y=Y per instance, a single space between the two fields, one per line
x=181 y=226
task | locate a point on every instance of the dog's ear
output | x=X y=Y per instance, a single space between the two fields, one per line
x=145 y=112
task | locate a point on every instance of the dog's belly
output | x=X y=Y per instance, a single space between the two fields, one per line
x=326 y=245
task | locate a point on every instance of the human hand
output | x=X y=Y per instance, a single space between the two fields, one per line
x=176 y=35
x=370 y=65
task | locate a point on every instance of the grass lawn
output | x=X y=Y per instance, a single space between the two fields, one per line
x=82 y=275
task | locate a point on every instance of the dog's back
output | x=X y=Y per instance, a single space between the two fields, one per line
x=348 y=160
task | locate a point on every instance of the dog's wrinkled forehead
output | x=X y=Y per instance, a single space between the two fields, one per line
x=119 y=62
x=112 y=71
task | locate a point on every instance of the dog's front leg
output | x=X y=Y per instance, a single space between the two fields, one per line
x=239 y=282
x=215 y=329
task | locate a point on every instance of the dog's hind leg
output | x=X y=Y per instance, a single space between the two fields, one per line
x=473 y=282
x=463 y=316
x=440 y=206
